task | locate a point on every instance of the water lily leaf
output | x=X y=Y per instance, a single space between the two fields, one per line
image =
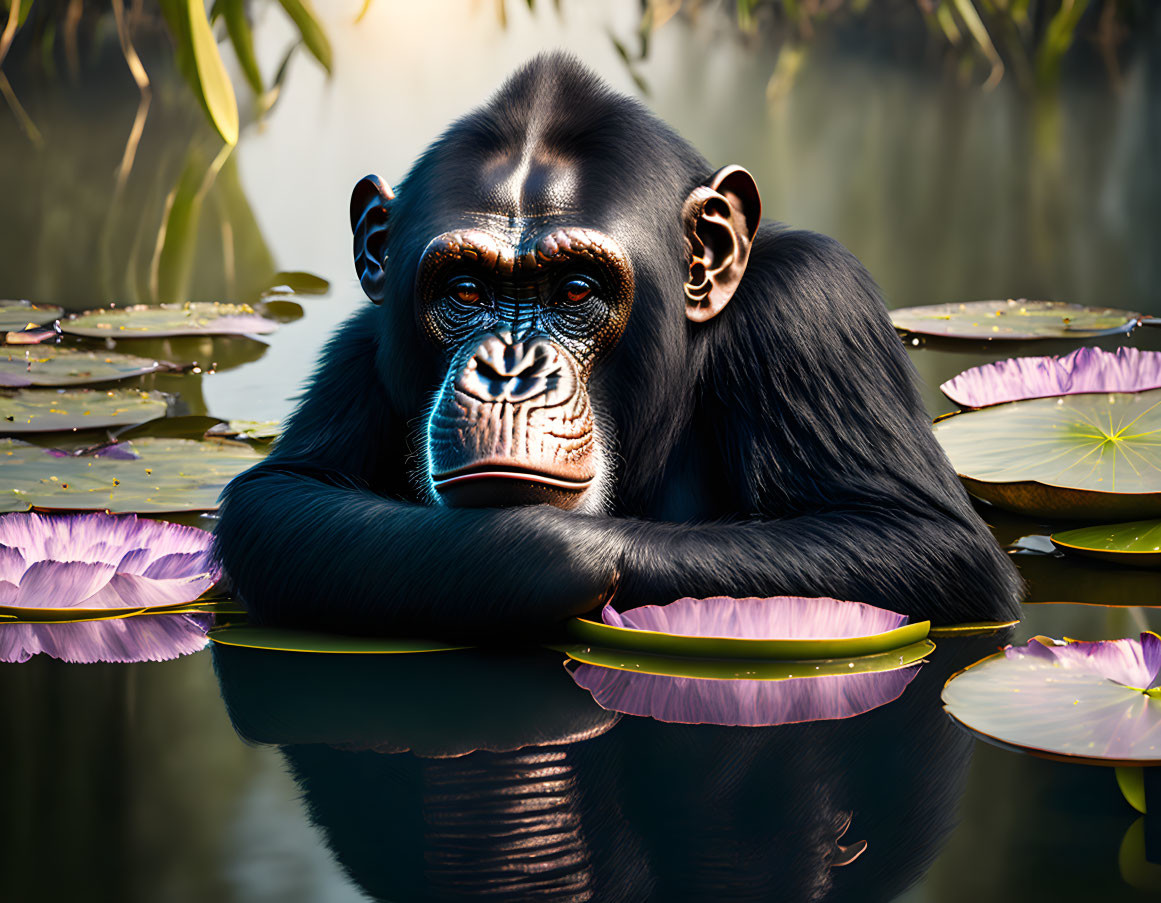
x=972 y=628
x=1084 y=370
x=212 y=81
x=1076 y=456
x=145 y=638
x=253 y=430
x=312 y=32
x=742 y=669
x=1080 y=701
x=146 y=476
x=749 y=703
x=784 y=628
x=79 y=566
x=299 y=282
x=17 y=315
x=1013 y=319
x=191 y=318
x=52 y=410
x=187 y=426
x=57 y=365
x=279 y=640
x=1137 y=543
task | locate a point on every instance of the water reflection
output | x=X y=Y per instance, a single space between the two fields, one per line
x=458 y=774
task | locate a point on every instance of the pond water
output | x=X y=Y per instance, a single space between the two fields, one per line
x=131 y=783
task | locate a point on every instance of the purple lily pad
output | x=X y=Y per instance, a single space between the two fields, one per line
x=749 y=703
x=778 y=617
x=100 y=561
x=1092 y=701
x=143 y=638
x=1082 y=371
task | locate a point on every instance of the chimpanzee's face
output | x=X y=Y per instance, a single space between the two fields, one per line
x=523 y=312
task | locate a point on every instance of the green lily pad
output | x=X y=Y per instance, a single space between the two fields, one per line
x=971 y=628
x=278 y=640
x=16 y=315
x=191 y=318
x=1018 y=319
x=1137 y=543
x=53 y=410
x=254 y=430
x=300 y=282
x=56 y=365
x=737 y=669
x=1074 y=456
x=166 y=476
x=718 y=647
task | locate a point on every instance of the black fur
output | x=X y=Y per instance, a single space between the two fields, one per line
x=780 y=448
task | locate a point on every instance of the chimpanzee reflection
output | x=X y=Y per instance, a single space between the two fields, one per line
x=461 y=774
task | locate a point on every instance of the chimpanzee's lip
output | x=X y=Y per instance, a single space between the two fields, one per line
x=490 y=471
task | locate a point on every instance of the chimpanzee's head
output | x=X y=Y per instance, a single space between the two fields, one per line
x=522 y=247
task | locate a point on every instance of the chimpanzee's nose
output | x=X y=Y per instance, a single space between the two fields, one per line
x=513 y=372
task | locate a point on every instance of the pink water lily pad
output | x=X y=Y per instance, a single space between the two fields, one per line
x=1081 y=371
x=143 y=638
x=66 y=562
x=1096 y=702
x=751 y=703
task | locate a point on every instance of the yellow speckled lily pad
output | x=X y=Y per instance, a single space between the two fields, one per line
x=53 y=410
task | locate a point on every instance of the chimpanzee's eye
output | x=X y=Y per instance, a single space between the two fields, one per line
x=467 y=291
x=577 y=289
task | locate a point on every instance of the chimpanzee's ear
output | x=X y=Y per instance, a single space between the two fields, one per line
x=721 y=219
x=370 y=211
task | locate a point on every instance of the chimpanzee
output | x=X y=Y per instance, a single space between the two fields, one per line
x=587 y=366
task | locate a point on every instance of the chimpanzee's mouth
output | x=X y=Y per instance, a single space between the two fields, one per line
x=492 y=471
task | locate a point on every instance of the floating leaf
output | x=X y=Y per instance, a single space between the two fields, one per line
x=783 y=627
x=161 y=476
x=1090 y=702
x=750 y=703
x=299 y=282
x=253 y=430
x=191 y=318
x=1084 y=370
x=1013 y=319
x=70 y=566
x=57 y=365
x=144 y=638
x=1076 y=456
x=1137 y=543
x=971 y=628
x=17 y=315
x=279 y=640
x=52 y=410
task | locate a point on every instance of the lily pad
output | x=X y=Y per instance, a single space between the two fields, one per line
x=146 y=638
x=1076 y=456
x=1087 y=702
x=971 y=628
x=1137 y=543
x=253 y=430
x=146 y=321
x=1084 y=370
x=783 y=627
x=749 y=703
x=279 y=640
x=53 y=410
x=299 y=282
x=16 y=315
x=56 y=365
x=145 y=475
x=1013 y=319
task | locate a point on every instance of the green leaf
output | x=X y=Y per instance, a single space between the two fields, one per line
x=670 y=644
x=211 y=81
x=151 y=322
x=167 y=476
x=16 y=315
x=242 y=37
x=53 y=410
x=1074 y=456
x=1137 y=543
x=307 y=641
x=312 y=32
x=300 y=282
x=60 y=365
x=641 y=661
x=1018 y=319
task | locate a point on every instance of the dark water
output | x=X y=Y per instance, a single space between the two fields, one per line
x=129 y=783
